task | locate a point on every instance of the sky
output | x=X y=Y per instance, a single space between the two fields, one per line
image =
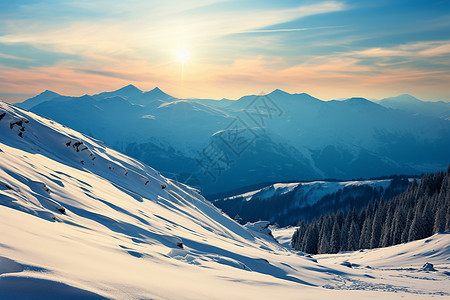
x=226 y=49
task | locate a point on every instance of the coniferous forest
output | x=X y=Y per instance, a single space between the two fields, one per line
x=422 y=210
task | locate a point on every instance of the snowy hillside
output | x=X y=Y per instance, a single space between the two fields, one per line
x=309 y=193
x=288 y=203
x=284 y=235
x=81 y=221
x=420 y=267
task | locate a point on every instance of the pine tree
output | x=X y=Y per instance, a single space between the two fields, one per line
x=409 y=218
x=416 y=230
x=294 y=240
x=310 y=239
x=376 y=229
x=439 y=220
x=339 y=218
x=366 y=231
x=353 y=237
x=398 y=224
x=427 y=219
x=335 y=243
x=297 y=238
x=386 y=232
x=447 y=217
x=325 y=234
x=345 y=232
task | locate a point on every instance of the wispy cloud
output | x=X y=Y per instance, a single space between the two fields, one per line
x=112 y=74
x=150 y=28
x=423 y=49
x=291 y=29
x=13 y=57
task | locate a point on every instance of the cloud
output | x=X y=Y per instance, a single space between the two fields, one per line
x=290 y=29
x=105 y=73
x=420 y=49
x=436 y=50
x=142 y=29
x=13 y=57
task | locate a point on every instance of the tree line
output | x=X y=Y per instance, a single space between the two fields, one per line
x=420 y=211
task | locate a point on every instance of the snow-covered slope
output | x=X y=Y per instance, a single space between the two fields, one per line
x=284 y=235
x=420 y=267
x=81 y=221
x=308 y=193
x=288 y=203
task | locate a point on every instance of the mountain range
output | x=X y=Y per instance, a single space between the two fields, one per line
x=223 y=145
x=413 y=105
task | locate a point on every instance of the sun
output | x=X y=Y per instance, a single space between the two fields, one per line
x=183 y=55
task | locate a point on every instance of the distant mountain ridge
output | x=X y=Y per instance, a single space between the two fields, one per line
x=222 y=145
x=42 y=97
x=413 y=105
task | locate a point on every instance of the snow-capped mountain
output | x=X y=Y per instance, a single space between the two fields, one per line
x=79 y=220
x=222 y=145
x=288 y=203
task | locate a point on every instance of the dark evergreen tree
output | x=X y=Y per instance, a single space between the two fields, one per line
x=386 y=233
x=439 y=219
x=297 y=239
x=353 y=237
x=398 y=224
x=335 y=243
x=325 y=234
x=416 y=229
x=376 y=229
x=345 y=230
x=447 y=217
x=409 y=219
x=427 y=218
x=366 y=229
x=310 y=239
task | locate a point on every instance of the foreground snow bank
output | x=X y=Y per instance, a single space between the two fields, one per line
x=420 y=267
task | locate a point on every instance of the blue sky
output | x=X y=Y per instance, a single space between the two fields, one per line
x=330 y=49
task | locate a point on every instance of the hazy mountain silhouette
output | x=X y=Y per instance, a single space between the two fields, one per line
x=221 y=145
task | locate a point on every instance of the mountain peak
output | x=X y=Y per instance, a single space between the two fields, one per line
x=156 y=89
x=48 y=92
x=42 y=97
x=158 y=94
x=279 y=92
x=129 y=88
x=358 y=101
x=405 y=98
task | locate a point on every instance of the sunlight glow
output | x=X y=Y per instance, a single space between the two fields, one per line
x=183 y=56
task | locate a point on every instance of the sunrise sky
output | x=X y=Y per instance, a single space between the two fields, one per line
x=216 y=49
